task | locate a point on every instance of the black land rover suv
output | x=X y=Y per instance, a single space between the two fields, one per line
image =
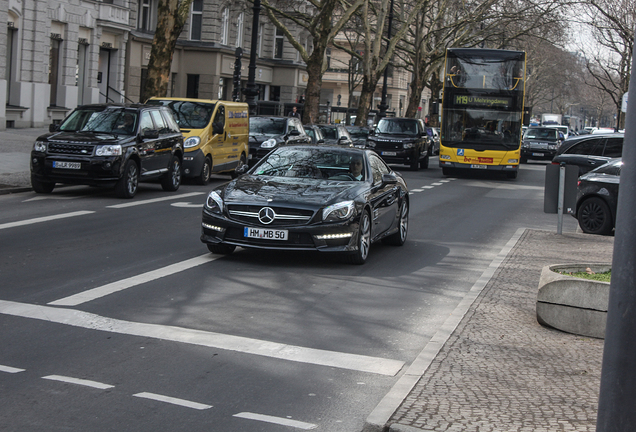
x=110 y=145
x=402 y=141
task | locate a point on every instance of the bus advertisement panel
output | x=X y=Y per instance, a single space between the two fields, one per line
x=482 y=110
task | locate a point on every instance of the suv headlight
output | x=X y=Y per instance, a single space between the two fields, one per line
x=270 y=143
x=553 y=146
x=39 y=146
x=408 y=145
x=338 y=212
x=192 y=141
x=108 y=150
x=214 y=203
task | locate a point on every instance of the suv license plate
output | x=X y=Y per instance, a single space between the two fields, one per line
x=67 y=165
x=269 y=234
x=537 y=154
x=389 y=153
x=479 y=166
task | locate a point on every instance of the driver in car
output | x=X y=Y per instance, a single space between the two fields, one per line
x=355 y=168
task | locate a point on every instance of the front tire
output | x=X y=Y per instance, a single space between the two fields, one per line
x=399 y=238
x=204 y=177
x=595 y=217
x=172 y=180
x=364 y=240
x=424 y=162
x=126 y=186
x=415 y=162
x=42 y=186
x=221 y=249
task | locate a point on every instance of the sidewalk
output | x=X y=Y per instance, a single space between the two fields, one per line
x=15 y=148
x=498 y=369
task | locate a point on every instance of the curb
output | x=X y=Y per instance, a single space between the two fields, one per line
x=380 y=416
x=16 y=189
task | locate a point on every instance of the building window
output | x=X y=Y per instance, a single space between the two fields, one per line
x=192 y=90
x=12 y=59
x=196 y=18
x=147 y=13
x=274 y=93
x=278 y=44
x=259 y=52
x=54 y=69
x=173 y=84
x=239 y=29
x=225 y=20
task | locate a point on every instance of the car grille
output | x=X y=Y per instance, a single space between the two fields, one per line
x=294 y=240
x=389 y=145
x=283 y=215
x=70 y=149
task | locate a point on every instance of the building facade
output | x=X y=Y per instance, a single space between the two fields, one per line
x=56 y=55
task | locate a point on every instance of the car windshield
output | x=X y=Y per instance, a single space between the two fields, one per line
x=267 y=126
x=188 y=114
x=403 y=127
x=118 y=121
x=548 y=134
x=332 y=164
x=329 y=132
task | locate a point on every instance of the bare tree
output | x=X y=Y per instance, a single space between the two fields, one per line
x=171 y=18
x=323 y=19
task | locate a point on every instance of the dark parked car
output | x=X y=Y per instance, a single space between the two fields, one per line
x=433 y=140
x=308 y=198
x=359 y=135
x=315 y=133
x=402 y=141
x=597 y=198
x=336 y=135
x=266 y=133
x=540 y=143
x=590 y=151
x=110 y=145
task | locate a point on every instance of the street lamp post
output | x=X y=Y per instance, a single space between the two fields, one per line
x=383 y=104
x=251 y=91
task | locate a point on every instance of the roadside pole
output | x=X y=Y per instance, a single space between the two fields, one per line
x=561 y=201
x=618 y=376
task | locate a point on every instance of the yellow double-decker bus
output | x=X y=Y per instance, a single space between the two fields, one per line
x=482 y=110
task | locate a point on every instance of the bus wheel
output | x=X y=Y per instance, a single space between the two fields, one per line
x=424 y=163
x=512 y=174
x=447 y=171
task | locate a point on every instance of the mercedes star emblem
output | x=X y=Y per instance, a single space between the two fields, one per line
x=266 y=215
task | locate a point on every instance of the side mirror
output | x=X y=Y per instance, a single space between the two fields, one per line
x=151 y=133
x=389 y=179
x=54 y=127
x=241 y=169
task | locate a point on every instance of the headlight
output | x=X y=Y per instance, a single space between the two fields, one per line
x=108 y=150
x=408 y=145
x=192 y=141
x=338 y=212
x=371 y=144
x=39 y=146
x=525 y=145
x=214 y=203
x=270 y=143
x=553 y=146
x=445 y=157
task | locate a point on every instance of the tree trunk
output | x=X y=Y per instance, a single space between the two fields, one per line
x=366 y=100
x=314 y=84
x=171 y=18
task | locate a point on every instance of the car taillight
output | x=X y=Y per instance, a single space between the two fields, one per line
x=578 y=183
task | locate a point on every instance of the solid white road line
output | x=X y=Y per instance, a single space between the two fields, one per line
x=83 y=382
x=150 y=201
x=44 y=219
x=86 y=320
x=110 y=288
x=9 y=369
x=174 y=401
x=277 y=420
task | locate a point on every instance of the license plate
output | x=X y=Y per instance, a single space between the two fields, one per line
x=537 y=154
x=389 y=153
x=479 y=166
x=268 y=234
x=67 y=165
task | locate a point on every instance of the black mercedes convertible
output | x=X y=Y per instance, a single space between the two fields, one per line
x=324 y=198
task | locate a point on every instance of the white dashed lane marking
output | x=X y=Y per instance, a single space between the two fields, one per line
x=154 y=200
x=78 y=381
x=173 y=401
x=44 y=219
x=277 y=420
x=9 y=369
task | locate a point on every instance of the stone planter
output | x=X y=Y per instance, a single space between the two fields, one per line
x=572 y=304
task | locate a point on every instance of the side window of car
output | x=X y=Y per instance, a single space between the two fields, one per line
x=171 y=123
x=146 y=122
x=219 y=117
x=378 y=168
x=613 y=147
x=159 y=122
x=587 y=147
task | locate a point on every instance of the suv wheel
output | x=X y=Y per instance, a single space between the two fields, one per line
x=415 y=162
x=172 y=180
x=42 y=186
x=424 y=162
x=206 y=170
x=594 y=216
x=126 y=186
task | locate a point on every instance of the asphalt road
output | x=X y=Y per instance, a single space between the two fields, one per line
x=115 y=317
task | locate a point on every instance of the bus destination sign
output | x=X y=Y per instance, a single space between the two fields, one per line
x=483 y=101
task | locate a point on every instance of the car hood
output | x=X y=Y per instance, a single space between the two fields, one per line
x=266 y=190
x=259 y=138
x=81 y=137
